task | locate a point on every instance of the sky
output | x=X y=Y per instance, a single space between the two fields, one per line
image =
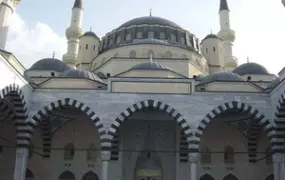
x=38 y=26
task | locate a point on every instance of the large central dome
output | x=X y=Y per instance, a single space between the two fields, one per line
x=150 y=20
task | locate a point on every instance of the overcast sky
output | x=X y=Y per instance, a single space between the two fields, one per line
x=38 y=26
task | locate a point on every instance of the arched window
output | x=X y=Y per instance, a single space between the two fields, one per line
x=69 y=151
x=29 y=175
x=150 y=53
x=206 y=177
x=206 y=155
x=182 y=40
x=128 y=37
x=207 y=50
x=214 y=49
x=230 y=177
x=86 y=46
x=150 y=35
x=31 y=150
x=90 y=176
x=139 y=35
x=110 y=42
x=66 y=175
x=229 y=155
x=268 y=155
x=270 y=177
x=132 y=54
x=118 y=39
x=92 y=153
x=173 y=38
x=94 y=48
x=162 y=35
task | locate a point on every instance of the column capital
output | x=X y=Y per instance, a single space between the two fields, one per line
x=194 y=157
x=105 y=155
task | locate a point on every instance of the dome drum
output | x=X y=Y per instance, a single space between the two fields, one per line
x=150 y=28
x=74 y=73
x=250 y=68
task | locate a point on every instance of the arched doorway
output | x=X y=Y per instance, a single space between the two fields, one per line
x=230 y=177
x=231 y=135
x=65 y=129
x=148 y=137
x=148 y=165
x=90 y=176
x=206 y=177
x=66 y=175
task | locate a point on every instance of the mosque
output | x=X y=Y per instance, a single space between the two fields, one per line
x=148 y=101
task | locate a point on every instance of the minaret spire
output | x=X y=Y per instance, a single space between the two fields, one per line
x=77 y=4
x=224 y=5
x=72 y=34
x=7 y=10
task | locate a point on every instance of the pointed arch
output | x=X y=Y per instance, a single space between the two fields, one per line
x=257 y=120
x=69 y=151
x=206 y=177
x=66 y=175
x=40 y=117
x=230 y=177
x=19 y=110
x=150 y=103
x=280 y=124
x=90 y=176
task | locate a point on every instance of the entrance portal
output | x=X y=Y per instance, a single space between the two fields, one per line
x=148 y=166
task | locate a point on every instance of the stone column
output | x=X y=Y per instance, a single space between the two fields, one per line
x=278 y=166
x=21 y=163
x=105 y=155
x=194 y=159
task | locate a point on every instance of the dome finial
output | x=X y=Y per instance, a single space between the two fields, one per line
x=90 y=28
x=53 y=54
x=247 y=59
x=150 y=12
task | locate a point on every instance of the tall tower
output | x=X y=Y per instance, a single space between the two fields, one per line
x=227 y=35
x=73 y=33
x=7 y=7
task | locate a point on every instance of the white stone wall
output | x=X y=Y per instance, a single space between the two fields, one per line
x=11 y=76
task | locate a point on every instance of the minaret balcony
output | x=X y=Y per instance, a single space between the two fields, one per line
x=73 y=32
x=227 y=35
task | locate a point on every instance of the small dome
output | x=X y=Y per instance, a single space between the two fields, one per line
x=49 y=64
x=150 y=20
x=213 y=36
x=90 y=33
x=250 y=68
x=221 y=76
x=273 y=84
x=75 y=73
x=150 y=66
x=150 y=41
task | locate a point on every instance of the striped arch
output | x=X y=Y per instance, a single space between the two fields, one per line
x=259 y=121
x=41 y=116
x=19 y=111
x=280 y=123
x=158 y=105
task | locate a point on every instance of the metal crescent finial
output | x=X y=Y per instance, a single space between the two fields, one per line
x=150 y=12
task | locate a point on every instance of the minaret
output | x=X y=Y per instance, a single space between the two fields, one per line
x=7 y=8
x=227 y=35
x=73 y=33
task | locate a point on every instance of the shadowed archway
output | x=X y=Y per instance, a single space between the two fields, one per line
x=257 y=122
x=41 y=118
